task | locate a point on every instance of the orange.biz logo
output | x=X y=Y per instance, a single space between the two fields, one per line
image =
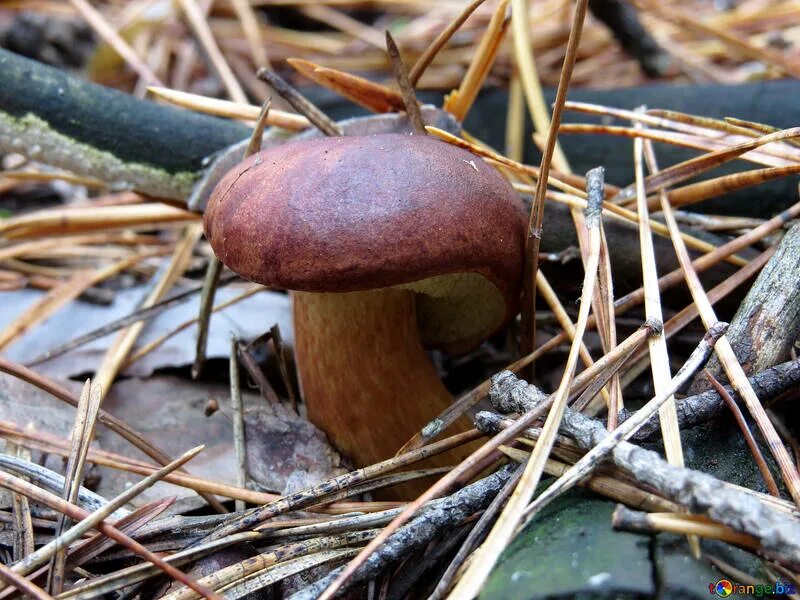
x=725 y=587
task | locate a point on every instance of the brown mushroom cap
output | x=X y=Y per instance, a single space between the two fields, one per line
x=358 y=213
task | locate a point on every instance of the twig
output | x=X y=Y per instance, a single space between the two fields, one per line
x=476 y=536
x=281 y=571
x=703 y=263
x=141 y=314
x=426 y=58
x=659 y=356
x=149 y=347
x=406 y=89
x=280 y=352
x=748 y=435
x=300 y=103
x=459 y=101
x=768 y=384
x=25 y=586
x=93 y=520
x=728 y=358
x=250 y=567
x=256 y=374
x=101 y=585
x=534 y=234
x=231 y=110
x=314 y=495
x=373 y=96
x=695 y=166
x=237 y=416
x=420 y=531
x=595 y=456
x=548 y=293
x=622 y=20
x=197 y=22
x=625 y=519
x=81 y=437
x=74 y=512
x=98 y=543
x=24 y=542
x=774 y=526
x=163 y=281
x=685 y=316
x=621 y=352
x=765 y=326
x=121 y=47
x=252 y=31
x=210 y=283
x=504 y=529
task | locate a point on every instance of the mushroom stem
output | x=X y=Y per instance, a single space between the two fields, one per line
x=365 y=376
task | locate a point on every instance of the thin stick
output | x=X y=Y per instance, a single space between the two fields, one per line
x=134 y=574
x=75 y=512
x=471 y=398
x=141 y=314
x=625 y=519
x=730 y=363
x=252 y=31
x=484 y=559
x=80 y=439
x=703 y=263
x=342 y=21
x=772 y=487
x=24 y=542
x=314 y=495
x=682 y=319
x=300 y=103
x=116 y=354
x=529 y=76
x=549 y=294
x=406 y=89
x=237 y=417
x=594 y=458
x=93 y=520
x=199 y=26
x=119 y=427
x=280 y=351
x=459 y=101
x=99 y=23
x=153 y=344
x=534 y=236
x=700 y=164
x=439 y=42
x=231 y=110
x=239 y=571
x=25 y=586
x=659 y=357
x=476 y=536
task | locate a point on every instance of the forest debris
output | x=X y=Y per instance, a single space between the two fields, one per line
x=777 y=532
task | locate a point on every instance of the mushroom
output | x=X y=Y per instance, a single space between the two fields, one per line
x=390 y=243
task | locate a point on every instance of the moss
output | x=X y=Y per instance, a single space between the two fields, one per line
x=33 y=137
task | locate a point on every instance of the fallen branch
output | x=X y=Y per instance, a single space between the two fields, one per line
x=431 y=522
x=777 y=532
